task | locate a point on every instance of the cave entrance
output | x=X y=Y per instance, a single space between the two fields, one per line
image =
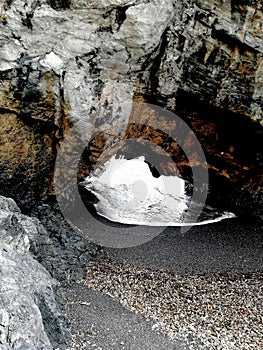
x=132 y=191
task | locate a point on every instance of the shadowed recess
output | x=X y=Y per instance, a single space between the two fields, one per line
x=59 y=4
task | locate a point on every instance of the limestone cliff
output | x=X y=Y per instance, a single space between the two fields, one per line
x=66 y=63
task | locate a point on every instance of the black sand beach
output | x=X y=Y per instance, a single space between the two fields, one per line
x=231 y=247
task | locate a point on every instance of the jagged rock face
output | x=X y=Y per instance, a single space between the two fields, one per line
x=29 y=318
x=84 y=63
x=213 y=51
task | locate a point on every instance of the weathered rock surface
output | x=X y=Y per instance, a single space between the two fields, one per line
x=83 y=64
x=29 y=313
x=60 y=249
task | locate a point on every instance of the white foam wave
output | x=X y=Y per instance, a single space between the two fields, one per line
x=129 y=194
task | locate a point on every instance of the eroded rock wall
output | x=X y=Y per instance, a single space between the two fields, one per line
x=84 y=63
x=29 y=314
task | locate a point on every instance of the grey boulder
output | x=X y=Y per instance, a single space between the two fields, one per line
x=29 y=315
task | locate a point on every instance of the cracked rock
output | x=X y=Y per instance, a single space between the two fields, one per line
x=29 y=313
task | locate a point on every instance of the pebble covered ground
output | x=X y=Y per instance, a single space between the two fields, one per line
x=209 y=311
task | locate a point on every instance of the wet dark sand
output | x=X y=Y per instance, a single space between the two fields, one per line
x=230 y=246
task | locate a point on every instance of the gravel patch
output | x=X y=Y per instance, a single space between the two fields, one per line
x=208 y=311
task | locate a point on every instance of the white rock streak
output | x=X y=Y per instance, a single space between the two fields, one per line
x=52 y=61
